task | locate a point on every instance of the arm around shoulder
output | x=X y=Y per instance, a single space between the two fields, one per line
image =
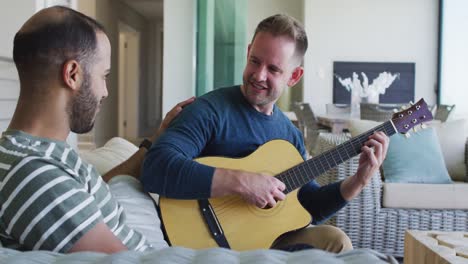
x=169 y=169
x=133 y=165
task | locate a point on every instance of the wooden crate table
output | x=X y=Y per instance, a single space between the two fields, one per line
x=435 y=247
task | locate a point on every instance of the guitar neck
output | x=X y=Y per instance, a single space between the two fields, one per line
x=303 y=173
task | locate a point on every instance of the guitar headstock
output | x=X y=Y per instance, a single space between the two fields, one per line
x=411 y=117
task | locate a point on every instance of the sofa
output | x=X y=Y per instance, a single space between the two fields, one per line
x=380 y=215
x=142 y=216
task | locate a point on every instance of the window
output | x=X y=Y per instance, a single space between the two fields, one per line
x=221 y=43
x=453 y=55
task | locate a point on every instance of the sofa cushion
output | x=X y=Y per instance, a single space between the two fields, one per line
x=425 y=196
x=452 y=137
x=139 y=208
x=359 y=126
x=181 y=255
x=417 y=159
x=114 y=152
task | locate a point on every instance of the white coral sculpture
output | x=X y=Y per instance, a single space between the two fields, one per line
x=378 y=86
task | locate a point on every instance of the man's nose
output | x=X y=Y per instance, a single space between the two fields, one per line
x=106 y=93
x=260 y=74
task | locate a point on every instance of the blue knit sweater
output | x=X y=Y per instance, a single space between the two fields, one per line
x=223 y=123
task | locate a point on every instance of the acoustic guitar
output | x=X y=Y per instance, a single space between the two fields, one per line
x=246 y=226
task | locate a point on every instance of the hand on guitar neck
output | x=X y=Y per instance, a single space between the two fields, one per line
x=264 y=191
x=257 y=189
x=373 y=154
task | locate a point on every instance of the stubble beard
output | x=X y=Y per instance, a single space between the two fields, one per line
x=83 y=108
x=254 y=98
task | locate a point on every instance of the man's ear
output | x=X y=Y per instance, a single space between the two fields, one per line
x=248 y=50
x=72 y=74
x=296 y=76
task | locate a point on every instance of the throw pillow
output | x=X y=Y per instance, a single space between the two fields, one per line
x=139 y=208
x=140 y=211
x=417 y=159
x=399 y=153
x=359 y=126
x=114 y=152
x=452 y=138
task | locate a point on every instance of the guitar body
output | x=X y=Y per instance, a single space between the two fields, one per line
x=245 y=226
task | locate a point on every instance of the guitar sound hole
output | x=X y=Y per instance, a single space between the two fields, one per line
x=269 y=207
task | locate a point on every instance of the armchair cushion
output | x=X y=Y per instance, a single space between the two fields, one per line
x=140 y=210
x=114 y=152
x=429 y=196
x=451 y=136
x=368 y=224
x=417 y=159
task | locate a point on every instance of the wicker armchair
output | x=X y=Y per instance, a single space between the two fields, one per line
x=442 y=112
x=368 y=224
x=307 y=124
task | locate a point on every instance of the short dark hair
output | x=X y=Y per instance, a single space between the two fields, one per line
x=284 y=25
x=72 y=36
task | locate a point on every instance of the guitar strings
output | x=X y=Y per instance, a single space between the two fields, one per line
x=329 y=159
x=322 y=163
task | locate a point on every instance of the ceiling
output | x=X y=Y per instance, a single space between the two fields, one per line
x=150 y=9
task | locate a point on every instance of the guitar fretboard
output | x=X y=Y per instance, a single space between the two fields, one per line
x=301 y=174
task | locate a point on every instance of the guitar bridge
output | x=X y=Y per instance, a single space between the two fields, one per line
x=213 y=223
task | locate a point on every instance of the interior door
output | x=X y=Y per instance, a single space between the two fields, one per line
x=129 y=82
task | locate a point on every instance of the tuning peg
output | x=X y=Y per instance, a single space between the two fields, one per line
x=395 y=110
x=415 y=129
x=423 y=126
x=403 y=108
x=411 y=103
x=407 y=135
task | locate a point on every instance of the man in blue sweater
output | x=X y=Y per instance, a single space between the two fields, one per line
x=235 y=121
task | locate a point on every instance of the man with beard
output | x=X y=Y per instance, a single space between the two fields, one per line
x=51 y=199
x=233 y=122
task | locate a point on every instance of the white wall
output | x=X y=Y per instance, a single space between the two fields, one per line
x=179 y=57
x=371 y=31
x=257 y=10
x=12 y=16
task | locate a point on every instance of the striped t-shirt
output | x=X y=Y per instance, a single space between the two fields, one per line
x=50 y=198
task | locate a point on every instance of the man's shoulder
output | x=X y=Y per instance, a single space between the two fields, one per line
x=284 y=118
x=222 y=94
x=22 y=155
x=213 y=101
x=13 y=152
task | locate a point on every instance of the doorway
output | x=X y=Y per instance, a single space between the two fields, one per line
x=129 y=82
